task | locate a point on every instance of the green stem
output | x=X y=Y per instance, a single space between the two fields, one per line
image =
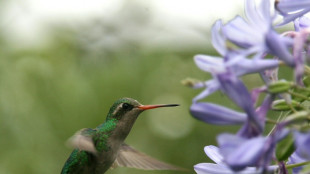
x=298 y=95
x=292 y=108
x=269 y=121
x=290 y=166
x=301 y=88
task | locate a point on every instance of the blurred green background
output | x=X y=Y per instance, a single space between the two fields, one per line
x=55 y=84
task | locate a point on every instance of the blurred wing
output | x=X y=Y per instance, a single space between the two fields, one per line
x=130 y=157
x=83 y=140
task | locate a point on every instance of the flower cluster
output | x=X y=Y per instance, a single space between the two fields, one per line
x=253 y=45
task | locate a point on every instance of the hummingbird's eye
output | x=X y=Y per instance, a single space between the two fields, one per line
x=127 y=106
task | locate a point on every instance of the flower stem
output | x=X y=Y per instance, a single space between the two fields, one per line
x=301 y=88
x=271 y=121
x=298 y=95
x=290 y=166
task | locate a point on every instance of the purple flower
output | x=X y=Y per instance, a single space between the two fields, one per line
x=254 y=38
x=256 y=35
x=216 y=114
x=228 y=83
x=253 y=120
x=248 y=34
x=237 y=64
x=233 y=61
x=302 y=144
x=292 y=9
x=240 y=152
x=220 y=167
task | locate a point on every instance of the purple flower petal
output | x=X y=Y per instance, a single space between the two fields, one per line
x=209 y=63
x=238 y=32
x=259 y=29
x=264 y=108
x=301 y=23
x=293 y=5
x=239 y=64
x=252 y=33
x=229 y=142
x=212 y=86
x=216 y=114
x=247 y=66
x=294 y=159
x=292 y=9
x=221 y=168
x=218 y=40
x=248 y=130
x=256 y=92
x=239 y=152
x=278 y=48
x=258 y=17
x=237 y=92
x=213 y=153
x=243 y=157
x=302 y=143
x=236 y=63
x=209 y=168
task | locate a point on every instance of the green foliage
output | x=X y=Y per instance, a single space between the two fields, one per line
x=48 y=94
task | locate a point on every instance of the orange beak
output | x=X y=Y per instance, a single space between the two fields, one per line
x=146 y=107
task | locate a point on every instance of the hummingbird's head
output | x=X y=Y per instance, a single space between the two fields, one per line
x=124 y=107
x=128 y=108
x=125 y=111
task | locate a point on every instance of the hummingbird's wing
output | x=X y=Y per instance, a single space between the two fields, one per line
x=130 y=157
x=82 y=140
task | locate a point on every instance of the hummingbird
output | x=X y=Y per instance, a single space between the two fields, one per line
x=97 y=150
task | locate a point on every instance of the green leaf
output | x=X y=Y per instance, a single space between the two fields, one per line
x=285 y=148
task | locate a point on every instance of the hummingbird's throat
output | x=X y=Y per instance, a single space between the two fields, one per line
x=147 y=107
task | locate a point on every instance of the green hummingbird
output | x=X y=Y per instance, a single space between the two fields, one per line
x=97 y=150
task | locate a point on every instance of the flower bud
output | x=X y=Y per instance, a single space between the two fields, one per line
x=279 y=86
x=193 y=83
x=297 y=117
x=282 y=105
x=306 y=81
